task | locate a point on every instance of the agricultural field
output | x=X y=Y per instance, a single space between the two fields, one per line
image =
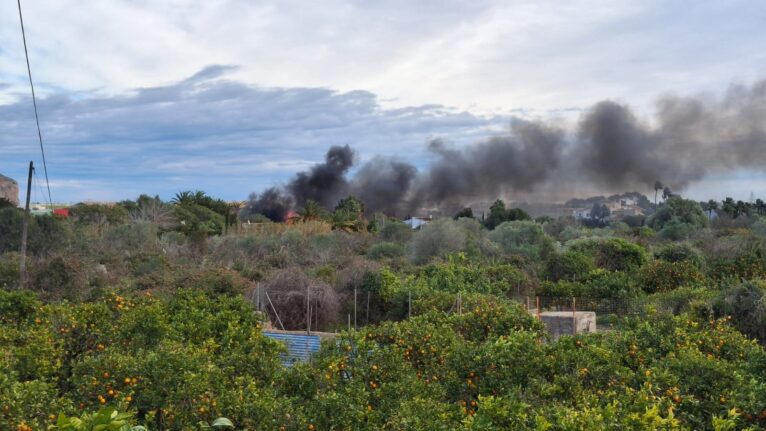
x=148 y=308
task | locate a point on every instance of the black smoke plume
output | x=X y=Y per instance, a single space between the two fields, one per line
x=325 y=182
x=383 y=184
x=500 y=165
x=272 y=203
x=611 y=149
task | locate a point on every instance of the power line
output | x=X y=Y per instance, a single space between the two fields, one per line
x=39 y=184
x=34 y=103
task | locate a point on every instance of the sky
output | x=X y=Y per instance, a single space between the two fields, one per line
x=231 y=97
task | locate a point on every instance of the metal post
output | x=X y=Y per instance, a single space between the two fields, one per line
x=367 y=316
x=308 y=310
x=24 y=231
x=275 y=310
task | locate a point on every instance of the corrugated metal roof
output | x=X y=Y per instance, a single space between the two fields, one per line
x=299 y=347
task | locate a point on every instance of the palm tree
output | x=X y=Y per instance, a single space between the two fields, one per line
x=657 y=187
x=760 y=206
x=743 y=208
x=666 y=193
x=310 y=211
x=729 y=207
x=712 y=205
x=183 y=198
x=345 y=221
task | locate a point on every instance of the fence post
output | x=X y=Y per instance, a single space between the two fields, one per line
x=538 y=307
x=574 y=316
x=308 y=310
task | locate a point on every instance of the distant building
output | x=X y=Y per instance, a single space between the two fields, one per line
x=9 y=189
x=39 y=209
x=417 y=222
x=581 y=213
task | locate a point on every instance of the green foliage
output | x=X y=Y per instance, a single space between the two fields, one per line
x=9 y=270
x=598 y=284
x=498 y=214
x=614 y=254
x=130 y=317
x=195 y=218
x=466 y=212
x=677 y=218
x=395 y=231
x=352 y=205
x=680 y=252
x=385 y=250
x=85 y=214
x=444 y=237
x=746 y=304
x=46 y=234
x=569 y=265
x=662 y=276
x=522 y=237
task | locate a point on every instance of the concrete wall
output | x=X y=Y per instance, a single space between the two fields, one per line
x=560 y=323
x=9 y=190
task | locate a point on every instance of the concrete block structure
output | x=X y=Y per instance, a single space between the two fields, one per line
x=561 y=323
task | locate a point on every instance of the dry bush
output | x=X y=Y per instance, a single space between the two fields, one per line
x=59 y=277
x=353 y=275
x=313 y=227
x=287 y=290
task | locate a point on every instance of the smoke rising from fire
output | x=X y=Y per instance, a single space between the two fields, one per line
x=611 y=148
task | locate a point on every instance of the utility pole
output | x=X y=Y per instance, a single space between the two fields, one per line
x=24 y=230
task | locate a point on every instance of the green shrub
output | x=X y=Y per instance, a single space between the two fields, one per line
x=385 y=250
x=680 y=252
x=746 y=304
x=441 y=238
x=9 y=270
x=613 y=254
x=569 y=265
x=98 y=214
x=395 y=231
x=522 y=237
x=662 y=276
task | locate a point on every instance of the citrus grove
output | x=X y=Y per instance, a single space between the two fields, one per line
x=129 y=324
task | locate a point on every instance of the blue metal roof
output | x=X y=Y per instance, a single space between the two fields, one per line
x=299 y=347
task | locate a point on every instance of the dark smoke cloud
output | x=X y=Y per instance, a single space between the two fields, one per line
x=502 y=164
x=383 y=184
x=612 y=149
x=325 y=182
x=272 y=203
x=615 y=149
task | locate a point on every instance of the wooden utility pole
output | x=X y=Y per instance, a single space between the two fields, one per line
x=24 y=230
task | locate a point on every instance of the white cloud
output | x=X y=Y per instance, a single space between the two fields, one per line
x=490 y=56
x=212 y=133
